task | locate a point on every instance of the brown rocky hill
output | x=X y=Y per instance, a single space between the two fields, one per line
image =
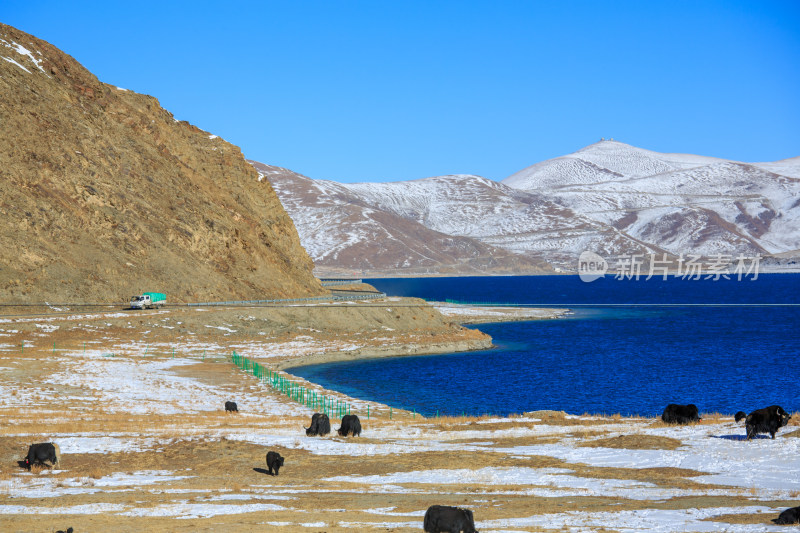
x=103 y=194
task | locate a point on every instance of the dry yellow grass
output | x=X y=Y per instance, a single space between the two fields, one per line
x=634 y=442
x=715 y=417
x=745 y=518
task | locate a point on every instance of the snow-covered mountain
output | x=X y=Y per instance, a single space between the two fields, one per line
x=683 y=204
x=610 y=198
x=349 y=227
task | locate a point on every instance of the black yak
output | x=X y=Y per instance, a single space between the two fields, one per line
x=350 y=425
x=320 y=425
x=43 y=453
x=274 y=460
x=789 y=516
x=680 y=414
x=766 y=420
x=442 y=518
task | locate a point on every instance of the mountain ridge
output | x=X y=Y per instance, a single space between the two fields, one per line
x=342 y=229
x=609 y=197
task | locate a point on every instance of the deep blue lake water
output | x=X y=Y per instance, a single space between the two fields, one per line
x=631 y=347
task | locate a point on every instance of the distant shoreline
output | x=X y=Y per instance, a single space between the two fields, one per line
x=644 y=274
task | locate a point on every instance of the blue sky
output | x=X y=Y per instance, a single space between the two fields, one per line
x=380 y=91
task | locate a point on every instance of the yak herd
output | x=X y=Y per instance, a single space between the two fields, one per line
x=442 y=518
x=320 y=426
x=767 y=420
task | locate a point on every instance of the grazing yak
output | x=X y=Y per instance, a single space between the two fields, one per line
x=69 y=530
x=680 y=414
x=789 y=516
x=231 y=407
x=445 y=519
x=320 y=425
x=274 y=460
x=350 y=425
x=766 y=420
x=43 y=453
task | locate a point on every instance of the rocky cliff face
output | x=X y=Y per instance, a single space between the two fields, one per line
x=103 y=194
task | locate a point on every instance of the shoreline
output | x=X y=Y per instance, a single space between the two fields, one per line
x=406 y=275
x=467 y=314
x=482 y=314
x=383 y=352
x=463 y=314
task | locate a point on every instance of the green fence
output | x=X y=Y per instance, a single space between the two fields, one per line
x=310 y=398
x=331 y=406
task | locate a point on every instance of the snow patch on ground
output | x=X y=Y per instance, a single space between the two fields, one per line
x=655 y=520
x=555 y=482
x=44 y=486
x=720 y=449
x=146 y=386
x=90 y=508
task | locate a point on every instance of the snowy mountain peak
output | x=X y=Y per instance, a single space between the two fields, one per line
x=600 y=162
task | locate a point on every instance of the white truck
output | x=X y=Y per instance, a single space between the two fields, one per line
x=148 y=300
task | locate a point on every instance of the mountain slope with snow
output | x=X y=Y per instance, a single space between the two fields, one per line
x=610 y=198
x=686 y=205
x=356 y=228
